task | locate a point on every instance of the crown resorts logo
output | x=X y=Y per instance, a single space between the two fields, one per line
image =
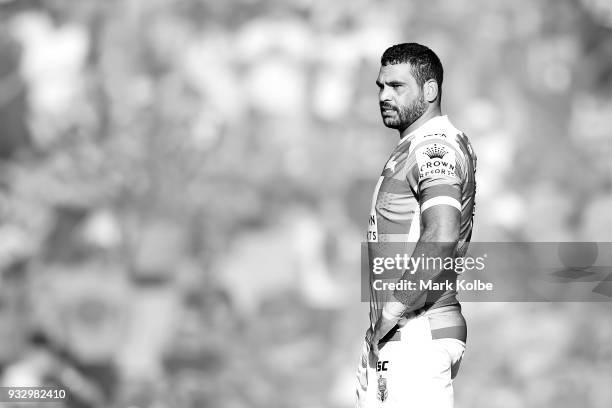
x=435 y=151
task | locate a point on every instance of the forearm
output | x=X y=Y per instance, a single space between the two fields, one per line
x=412 y=299
x=438 y=242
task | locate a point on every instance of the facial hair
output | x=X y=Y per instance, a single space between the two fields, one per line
x=407 y=114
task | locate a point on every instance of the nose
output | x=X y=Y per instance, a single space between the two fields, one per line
x=384 y=95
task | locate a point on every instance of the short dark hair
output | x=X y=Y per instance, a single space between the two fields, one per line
x=424 y=63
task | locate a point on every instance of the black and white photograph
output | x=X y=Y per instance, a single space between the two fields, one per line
x=306 y=203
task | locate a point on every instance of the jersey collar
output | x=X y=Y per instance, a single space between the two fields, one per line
x=432 y=124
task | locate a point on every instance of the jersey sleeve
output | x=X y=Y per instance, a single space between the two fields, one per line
x=435 y=173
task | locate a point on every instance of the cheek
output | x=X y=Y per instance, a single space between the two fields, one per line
x=408 y=98
x=404 y=100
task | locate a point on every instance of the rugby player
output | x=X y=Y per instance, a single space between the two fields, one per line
x=424 y=200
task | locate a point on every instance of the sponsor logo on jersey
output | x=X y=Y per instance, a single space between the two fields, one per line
x=381 y=365
x=436 y=160
x=440 y=135
x=436 y=151
x=372 y=222
x=372 y=229
x=383 y=393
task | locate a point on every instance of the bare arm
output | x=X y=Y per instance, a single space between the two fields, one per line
x=438 y=239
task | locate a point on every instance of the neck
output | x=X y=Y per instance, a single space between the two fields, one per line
x=430 y=113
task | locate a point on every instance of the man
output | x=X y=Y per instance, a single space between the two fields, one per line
x=423 y=202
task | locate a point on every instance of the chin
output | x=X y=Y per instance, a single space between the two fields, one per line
x=393 y=124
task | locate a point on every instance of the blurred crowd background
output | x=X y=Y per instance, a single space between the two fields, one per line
x=184 y=186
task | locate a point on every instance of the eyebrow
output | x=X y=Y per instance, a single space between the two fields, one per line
x=391 y=83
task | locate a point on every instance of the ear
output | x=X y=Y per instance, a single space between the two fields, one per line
x=430 y=90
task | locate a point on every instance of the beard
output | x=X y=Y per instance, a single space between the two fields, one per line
x=405 y=115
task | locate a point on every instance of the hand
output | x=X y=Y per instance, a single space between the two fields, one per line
x=362 y=368
x=382 y=327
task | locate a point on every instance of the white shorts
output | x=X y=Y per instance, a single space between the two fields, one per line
x=414 y=371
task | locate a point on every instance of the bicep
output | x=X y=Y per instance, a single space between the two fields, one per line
x=441 y=223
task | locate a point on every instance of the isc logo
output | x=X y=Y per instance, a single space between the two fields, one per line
x=381 y=366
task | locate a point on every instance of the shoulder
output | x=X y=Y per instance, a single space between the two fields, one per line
x=436 y=152
x=445 y=138
x=439 y=128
